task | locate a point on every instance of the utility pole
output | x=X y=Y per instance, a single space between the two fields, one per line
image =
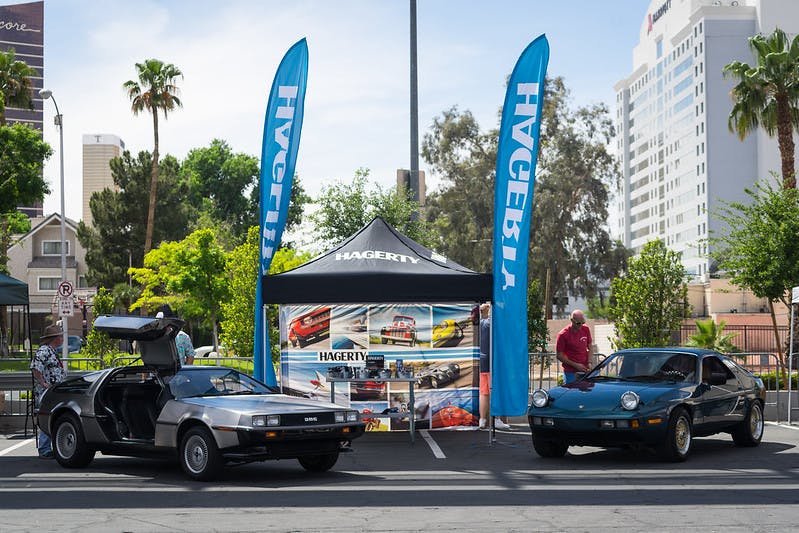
x=414 y=177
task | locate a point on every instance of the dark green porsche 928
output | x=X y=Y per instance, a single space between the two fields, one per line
x=657 y=398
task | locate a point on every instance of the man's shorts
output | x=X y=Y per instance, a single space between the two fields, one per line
x=485 y=383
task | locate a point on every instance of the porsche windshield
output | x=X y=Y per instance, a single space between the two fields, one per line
x=214 y=381
x=646 y=366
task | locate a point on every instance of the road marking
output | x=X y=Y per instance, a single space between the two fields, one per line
x=433 y=444
x=17 y=445
x=786 y=426
x=399 y=486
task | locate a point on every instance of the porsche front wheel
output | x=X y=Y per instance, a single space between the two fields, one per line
x=678 y=437
x=549 y=448
x=199 y=455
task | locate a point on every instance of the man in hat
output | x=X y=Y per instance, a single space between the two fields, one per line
x=47 y=370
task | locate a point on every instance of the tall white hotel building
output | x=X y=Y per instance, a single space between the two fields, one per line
x=679 y=160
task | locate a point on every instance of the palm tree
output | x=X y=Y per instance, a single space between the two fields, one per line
x=155 y=90
x=15 y=83
x=712 y=337
x=767 y=95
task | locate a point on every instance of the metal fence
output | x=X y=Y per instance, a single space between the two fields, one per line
x=746 y=337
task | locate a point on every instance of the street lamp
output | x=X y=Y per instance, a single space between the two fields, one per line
x=47 y=94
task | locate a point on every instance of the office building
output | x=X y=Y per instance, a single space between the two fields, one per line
x=98 y=150
x=22 y=28
x=679 y=160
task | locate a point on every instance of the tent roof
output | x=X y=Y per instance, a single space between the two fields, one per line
x=377 y=264
x=13 y=291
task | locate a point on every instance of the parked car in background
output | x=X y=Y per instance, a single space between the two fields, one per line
x=659 y=398
x=309 y=327
x=74 y=344
x=402 y=329
x=437 y=375
x=204 y=416
x=208 y=351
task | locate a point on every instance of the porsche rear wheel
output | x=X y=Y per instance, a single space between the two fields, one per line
x=318 y=463
x=199 y=455
x=750 y=431
x=69 y=444
x=678 y=437
x=549 y=448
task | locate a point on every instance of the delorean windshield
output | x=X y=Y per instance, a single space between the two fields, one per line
x=215 y=381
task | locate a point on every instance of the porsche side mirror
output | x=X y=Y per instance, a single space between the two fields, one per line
x=718 y=378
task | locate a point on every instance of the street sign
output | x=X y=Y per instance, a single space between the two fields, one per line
x=65 y=306
x=795 y=299
x=65 y=289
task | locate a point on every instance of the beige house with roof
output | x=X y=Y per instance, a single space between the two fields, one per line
x=35 y=258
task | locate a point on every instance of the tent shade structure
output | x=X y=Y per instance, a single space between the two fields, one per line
x=13 y=291
x=377 y=264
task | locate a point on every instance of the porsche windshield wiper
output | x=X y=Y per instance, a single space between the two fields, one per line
x=605 y=378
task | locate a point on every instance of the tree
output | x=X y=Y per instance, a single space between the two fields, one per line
x=189 y=275
x=759 y=249
x=650 y=299
x=222 y=179
x=238 y=325
x=15 y=83
x=99 y=345
x=569 y=234
x=344 y=208
x=115 y=240
x=22 y=157
x=155 y=89
x=767 y=95
x=711 y=336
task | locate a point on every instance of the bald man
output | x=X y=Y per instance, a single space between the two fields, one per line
x=573 y=347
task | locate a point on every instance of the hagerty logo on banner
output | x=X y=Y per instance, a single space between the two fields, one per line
x=513 y=205
x=282 y=126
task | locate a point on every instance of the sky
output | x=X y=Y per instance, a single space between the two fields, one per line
x=357 y=107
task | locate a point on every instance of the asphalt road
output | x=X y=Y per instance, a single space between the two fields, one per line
x=447 y=481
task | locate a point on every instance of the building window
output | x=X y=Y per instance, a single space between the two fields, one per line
x=49 y=284
x=82 y=284
x=53 y=247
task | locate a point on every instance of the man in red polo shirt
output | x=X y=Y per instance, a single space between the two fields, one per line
x=573 y=347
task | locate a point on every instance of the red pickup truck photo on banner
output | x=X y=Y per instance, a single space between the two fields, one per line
x=435 y=346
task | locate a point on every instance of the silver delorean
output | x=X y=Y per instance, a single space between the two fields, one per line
x=206 y=415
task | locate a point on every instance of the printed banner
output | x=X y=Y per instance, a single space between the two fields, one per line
x=513 y=205
x=281 y=140
x=433 y=346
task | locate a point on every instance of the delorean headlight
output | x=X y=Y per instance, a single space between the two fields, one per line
x=265 y=420
x=346 y=416
x=540 y=398
x=630 y=401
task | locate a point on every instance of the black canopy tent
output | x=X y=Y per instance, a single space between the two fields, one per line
x=377 y=264
x=13 y=292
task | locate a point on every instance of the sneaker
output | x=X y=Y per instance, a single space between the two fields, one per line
x=483 y=423
x=499 y=424
x=46 y=455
